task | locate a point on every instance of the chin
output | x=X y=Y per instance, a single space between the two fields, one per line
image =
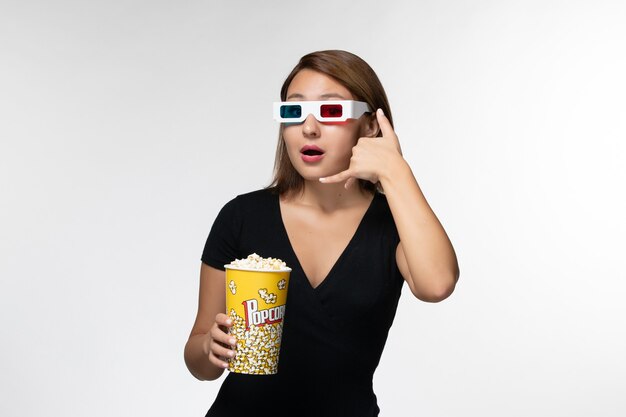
x=310 y=177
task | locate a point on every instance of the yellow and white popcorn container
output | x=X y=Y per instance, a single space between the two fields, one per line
x=255 y=301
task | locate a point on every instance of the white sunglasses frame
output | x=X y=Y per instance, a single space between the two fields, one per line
x=351 y=110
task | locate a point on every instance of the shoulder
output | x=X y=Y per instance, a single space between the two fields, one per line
x=381 y=216
x=255 y=200
x=245 y=209
x=251 y=200
x=258 y=201
x=380 y=206
x=262 y=195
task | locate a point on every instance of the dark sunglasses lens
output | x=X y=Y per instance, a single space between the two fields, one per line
x=293 y=111
x=331 y=110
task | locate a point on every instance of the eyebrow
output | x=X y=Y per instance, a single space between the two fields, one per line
x=322 y=97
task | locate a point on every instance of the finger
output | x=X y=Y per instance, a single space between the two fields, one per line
x=342 y=176
x=384 y=123
x=220 y=351
x=349 y=182
x=222 y=337
x=385 y=126
x=217 y=361
x=223 y=320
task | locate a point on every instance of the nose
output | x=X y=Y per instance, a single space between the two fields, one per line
x=310 y=127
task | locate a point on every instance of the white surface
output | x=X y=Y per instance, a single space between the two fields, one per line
x=121 y=138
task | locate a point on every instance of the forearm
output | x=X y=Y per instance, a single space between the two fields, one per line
x=198 y=362
x=430 y=257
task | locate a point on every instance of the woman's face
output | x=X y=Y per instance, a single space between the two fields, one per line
x=319 y=149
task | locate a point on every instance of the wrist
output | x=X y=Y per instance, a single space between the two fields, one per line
x=397 y=169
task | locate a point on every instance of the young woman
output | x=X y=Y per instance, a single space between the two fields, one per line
x=351 y=248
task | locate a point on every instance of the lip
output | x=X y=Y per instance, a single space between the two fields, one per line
x=311 y=158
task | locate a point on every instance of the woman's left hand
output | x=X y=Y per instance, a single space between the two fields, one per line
x=371 y=157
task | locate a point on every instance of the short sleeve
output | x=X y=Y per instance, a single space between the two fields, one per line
x=221 y=245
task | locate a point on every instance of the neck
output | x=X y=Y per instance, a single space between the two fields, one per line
x=329 y=197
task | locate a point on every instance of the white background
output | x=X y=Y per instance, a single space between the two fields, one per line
x=126 y=125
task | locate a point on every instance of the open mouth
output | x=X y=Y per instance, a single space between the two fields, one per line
x=311 y=153
x=311 y=150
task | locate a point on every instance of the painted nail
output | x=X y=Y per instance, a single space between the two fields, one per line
x=232 y=341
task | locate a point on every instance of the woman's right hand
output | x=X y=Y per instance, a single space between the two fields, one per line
x=209 y=338
x=218 y=344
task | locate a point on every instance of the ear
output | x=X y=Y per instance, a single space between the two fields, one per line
x=369 y=126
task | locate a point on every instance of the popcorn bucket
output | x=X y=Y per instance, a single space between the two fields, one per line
x=255 y=302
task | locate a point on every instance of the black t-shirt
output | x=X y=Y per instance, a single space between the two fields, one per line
x=334 y=334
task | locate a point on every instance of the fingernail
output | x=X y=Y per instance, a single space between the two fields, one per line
x=224 y=365
x=231 y=353
x=229 y=321
x=322 y=179
x=232 y=341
